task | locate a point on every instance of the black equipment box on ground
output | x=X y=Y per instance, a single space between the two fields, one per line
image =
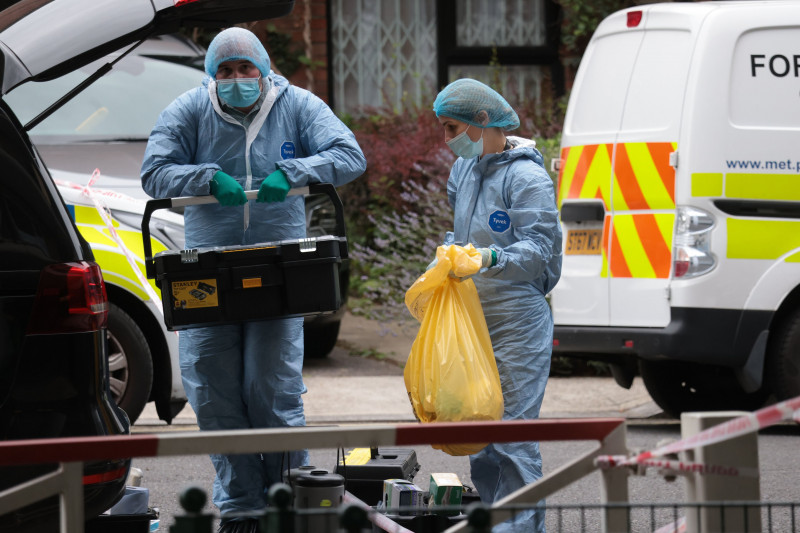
x=232 y=284
x=365 y=469
x=121 y=523
x=423 y=523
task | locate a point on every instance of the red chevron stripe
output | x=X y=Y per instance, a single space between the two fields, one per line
x=625 y=176
x=581 y=171
x=659 y=152
x=617 y=265
x=658 y=252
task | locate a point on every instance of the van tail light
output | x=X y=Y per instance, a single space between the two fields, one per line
x=634 y=18
x=71 y=298
x=691 y=255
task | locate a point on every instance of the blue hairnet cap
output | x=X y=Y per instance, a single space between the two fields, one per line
x=475 y=103
x=233 y=44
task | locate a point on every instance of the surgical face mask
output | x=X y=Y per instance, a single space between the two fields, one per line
x=464 y=147
x=239 y=92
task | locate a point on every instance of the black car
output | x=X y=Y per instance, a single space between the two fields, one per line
x=54 y=379
x=53 y=311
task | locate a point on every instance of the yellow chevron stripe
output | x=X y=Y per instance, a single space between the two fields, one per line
x=763 y=186
x=598 y=177
x=763 y=239
x=117 y=270
x=96 y=235
x=604 y=272
x=619 y=197
x=89 y=215
x=604 y=269
x=568 y=173
x=632 y=247
x=113 y=262
x=650 y=182
x=666 y=225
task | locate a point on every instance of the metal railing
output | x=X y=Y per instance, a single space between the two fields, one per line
x=71 y=452
x=731 y=517
x=705 y=441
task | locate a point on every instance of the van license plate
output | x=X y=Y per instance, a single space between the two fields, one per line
x=584 y=241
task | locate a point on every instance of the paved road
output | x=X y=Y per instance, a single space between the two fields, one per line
x=335 y=395
x=349 y=387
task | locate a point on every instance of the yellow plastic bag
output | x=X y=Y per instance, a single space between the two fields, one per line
x=451 y=374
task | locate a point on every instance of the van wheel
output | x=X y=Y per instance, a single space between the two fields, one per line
x=678 y=387
x=783 y=363
x=320 y=340
x=130 y=365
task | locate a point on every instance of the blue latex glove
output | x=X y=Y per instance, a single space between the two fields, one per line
x=274 y=188
x=227 y=190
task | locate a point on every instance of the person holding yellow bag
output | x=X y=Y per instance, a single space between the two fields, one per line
x=504 y=205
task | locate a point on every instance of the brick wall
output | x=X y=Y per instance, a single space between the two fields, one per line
x=307 y=26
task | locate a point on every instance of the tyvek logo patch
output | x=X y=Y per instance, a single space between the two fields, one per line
x=287 y=150
x=499 y=221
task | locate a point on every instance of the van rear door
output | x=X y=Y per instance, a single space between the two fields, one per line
x=621 y=128
x=593 y=119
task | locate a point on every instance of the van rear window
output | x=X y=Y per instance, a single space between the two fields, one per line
x=658 y=82
x=596 y=106
x=632 y=81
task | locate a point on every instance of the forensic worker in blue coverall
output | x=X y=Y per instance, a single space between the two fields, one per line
x=504 y=204
x=246 y=128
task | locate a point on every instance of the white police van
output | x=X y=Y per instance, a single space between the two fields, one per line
x=679 y=193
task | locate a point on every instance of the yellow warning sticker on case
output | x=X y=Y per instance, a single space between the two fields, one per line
x=251 y=283
x=195 y=294
x=357 y=456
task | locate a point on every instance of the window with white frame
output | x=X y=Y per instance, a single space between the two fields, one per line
x=384 y=53
x=501 y=25
x=394 y=54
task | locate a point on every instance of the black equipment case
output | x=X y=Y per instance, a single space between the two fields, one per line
x=225 y=285
x=364 y=470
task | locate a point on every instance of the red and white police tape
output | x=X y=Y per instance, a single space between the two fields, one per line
x=610 y=461
x=103 y=211
x=768 y=416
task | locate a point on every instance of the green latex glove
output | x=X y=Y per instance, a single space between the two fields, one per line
x=227 y=190
x=274 y=189
x=488 y=257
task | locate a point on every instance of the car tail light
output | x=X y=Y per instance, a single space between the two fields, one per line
x=692 y=255
x=634 y=18
x=179 y=3
x=71 y=298
x=105 y=477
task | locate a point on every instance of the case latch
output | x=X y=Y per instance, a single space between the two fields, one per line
x=189 y=256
